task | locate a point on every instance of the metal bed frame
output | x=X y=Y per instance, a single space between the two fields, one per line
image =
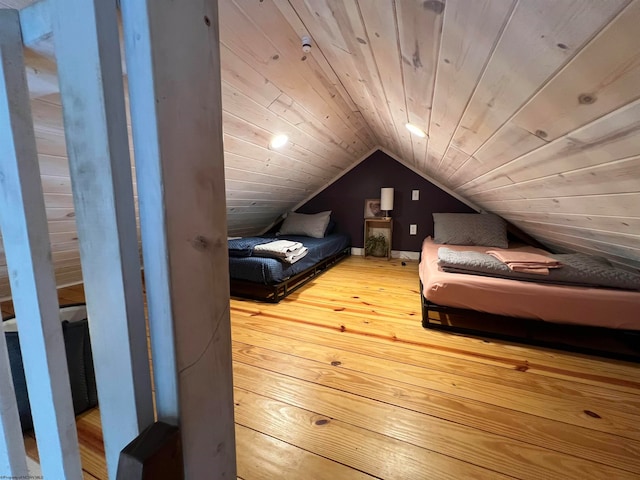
x=276 y=292
x=619 y=344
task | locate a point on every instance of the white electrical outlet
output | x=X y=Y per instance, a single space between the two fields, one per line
x=413 y=229
x=415 y=194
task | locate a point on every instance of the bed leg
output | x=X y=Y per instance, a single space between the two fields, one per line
x=425 y=309
x=631 y=339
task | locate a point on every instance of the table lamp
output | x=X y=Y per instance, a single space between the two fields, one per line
x=386 y=200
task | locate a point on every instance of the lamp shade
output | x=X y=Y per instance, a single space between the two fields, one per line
x=386 y=199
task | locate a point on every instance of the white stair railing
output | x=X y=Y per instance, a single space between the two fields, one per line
x=87 y=50
x=23 y=223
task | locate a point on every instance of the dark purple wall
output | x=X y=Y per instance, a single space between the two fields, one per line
x=346 y=197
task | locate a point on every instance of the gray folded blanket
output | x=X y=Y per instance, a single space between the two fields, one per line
x=578 y=269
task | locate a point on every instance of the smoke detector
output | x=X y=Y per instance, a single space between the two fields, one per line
x=306 y=44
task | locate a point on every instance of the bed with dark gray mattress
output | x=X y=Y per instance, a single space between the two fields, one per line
x=271 y=279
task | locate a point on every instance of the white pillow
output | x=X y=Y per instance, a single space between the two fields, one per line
x=303 y=224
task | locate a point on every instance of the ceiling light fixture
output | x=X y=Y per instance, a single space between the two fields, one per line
x=415 y=130
x=279 y=141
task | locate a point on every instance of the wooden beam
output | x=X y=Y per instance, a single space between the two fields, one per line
x=26 y=241
x=173 y=60
x=89 y=68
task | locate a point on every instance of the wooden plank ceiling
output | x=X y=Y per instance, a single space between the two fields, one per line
x=532 y=110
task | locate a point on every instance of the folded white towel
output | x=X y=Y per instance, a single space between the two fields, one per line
x=284 y=250
x=278 y=248
x=297 y=255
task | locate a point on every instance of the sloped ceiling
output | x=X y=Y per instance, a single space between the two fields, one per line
x=532 y=110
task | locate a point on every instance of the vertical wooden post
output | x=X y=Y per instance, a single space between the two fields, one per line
x=173 y=63
x=26 y=241
x=91 y=86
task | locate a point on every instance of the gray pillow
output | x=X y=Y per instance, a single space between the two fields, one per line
x=486 y=230
x=303 y=224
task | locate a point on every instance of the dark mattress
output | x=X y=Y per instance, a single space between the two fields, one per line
x=269 y=271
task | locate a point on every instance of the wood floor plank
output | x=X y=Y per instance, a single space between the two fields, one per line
x=262 y=457
x=558 y=403
x=362 y=450
x=555 y=404
x=562 y=437
x=411 y=335
x=518 y=459
x=519 y=378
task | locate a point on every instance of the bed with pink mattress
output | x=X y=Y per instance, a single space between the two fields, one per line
x=589 y=306
x=475 y=281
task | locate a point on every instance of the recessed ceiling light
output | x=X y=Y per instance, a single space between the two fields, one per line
x=279 y=141
x=415 y=130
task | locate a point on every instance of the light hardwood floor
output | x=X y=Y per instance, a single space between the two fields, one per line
x=340 y=381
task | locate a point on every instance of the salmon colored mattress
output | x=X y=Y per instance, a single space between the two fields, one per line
x=515 y=298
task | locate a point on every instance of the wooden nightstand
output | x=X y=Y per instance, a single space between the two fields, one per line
x=373 y=226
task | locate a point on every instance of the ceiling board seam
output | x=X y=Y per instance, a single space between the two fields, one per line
x=555 y=234
x=615 y=194
x=559 y=175
x=269 y=185
x=376 y=110
x=323 y=55
x=413 y=110
x=332 y=133
x=289 y=125
x=49 y=102
x=399 y=50
x=508 y=200
x=560 y=139
x=478 y=80
x=504 y=212
x=379 y=77
x=261 y=200
x=372 y=111
x=554 y=74
x=272 y=45
x=433 y=85
x=571 y=227
x=263 y=174
x=267 y=131
x=554 y=214
x=371 y=130
x=270 y=152
x=402 y=75
x=482 y=75
x=52 y=176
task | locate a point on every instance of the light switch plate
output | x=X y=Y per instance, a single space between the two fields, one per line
x=413 y=229
x=415 y=194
